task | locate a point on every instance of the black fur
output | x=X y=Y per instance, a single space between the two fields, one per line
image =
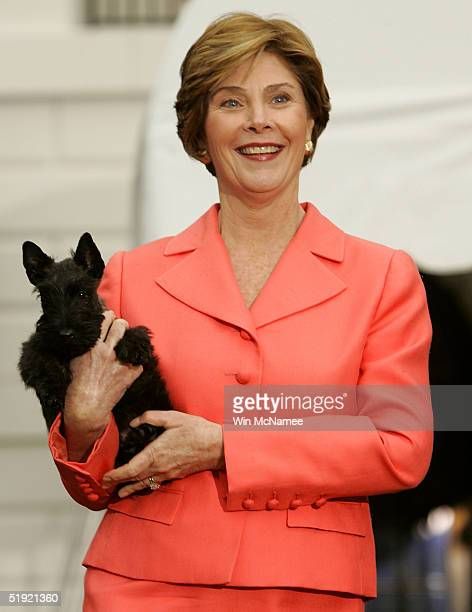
x=70 y=326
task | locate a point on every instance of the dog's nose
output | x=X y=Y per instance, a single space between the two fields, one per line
x=66 y=333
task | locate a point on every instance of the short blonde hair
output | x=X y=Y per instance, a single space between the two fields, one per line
x=229 y=41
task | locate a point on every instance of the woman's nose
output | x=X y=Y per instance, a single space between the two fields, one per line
x=258 y=118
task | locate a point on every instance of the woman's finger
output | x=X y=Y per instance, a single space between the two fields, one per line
x=136 y=469
x=160 y=418
x=133 y=487
x=108 y=317
x=116 y=332
x=130 y=489
x=131 y=373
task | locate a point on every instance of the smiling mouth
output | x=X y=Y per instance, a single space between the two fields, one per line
x=263 y=153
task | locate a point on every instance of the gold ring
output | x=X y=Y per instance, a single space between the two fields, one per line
x=152 y=484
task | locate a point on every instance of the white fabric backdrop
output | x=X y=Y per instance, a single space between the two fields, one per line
x=394 y=163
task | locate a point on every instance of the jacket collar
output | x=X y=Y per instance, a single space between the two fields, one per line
x=204 y=278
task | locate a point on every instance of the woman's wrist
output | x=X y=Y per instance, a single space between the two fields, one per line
x=79 y=450
x=220 y=455
x=80 y=437
x=221 y=465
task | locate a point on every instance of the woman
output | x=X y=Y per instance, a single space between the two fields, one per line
x=261 y=289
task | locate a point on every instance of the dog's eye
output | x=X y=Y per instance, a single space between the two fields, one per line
x=83 y=293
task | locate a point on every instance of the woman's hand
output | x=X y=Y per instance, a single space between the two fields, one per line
x=189 y=444
x=98 y=382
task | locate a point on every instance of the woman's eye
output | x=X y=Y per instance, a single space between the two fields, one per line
x=231 y=103
x=282 y=97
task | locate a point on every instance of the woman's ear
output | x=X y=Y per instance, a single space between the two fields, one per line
x=204 y=156
x=206 y=159
x=310 y=126
x=202 y=149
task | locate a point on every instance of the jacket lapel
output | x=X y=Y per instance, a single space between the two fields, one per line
x=204 y=278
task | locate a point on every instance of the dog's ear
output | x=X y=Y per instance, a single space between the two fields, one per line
x=36 y=262
x=88 y=256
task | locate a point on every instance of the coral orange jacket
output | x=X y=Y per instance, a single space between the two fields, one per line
x=337 y=310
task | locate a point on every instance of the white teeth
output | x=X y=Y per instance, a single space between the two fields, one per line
x=259 y=150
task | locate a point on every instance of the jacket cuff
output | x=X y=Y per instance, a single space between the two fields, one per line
x=247 y=454
x=100 y=460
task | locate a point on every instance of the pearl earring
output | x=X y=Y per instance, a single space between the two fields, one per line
x=309 y=146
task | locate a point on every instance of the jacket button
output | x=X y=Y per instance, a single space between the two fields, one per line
x=86 y=488
x=272 y=504
x=295 y=503
x=319 y=502
x=245 y=335
x=242 y=378
x=248 y=503
x=80 y=479
x=93 y=497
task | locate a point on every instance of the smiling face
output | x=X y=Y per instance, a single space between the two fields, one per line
x=258 y=105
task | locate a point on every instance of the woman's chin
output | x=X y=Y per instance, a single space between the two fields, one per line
x=261 y=182
x=261 y=188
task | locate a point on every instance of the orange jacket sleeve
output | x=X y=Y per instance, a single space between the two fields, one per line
x=316 y=465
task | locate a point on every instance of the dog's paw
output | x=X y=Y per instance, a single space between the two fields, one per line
x=135 y=347
x=134 y=439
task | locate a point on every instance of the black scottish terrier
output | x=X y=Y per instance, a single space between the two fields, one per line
x=70 y=326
